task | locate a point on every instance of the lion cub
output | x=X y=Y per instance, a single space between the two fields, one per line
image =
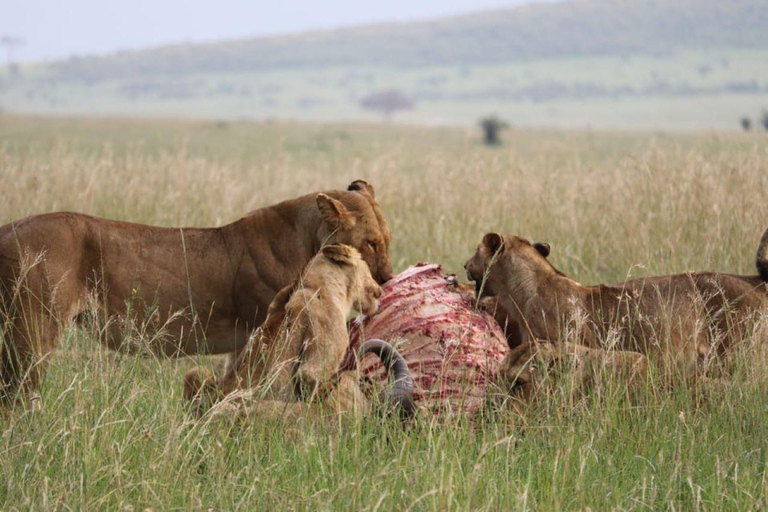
x=293 y=358
x=684 y=321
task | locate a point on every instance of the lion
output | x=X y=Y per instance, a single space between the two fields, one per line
x=537 y=367
x=206 y=289
x=294 y=360
x=686 y=322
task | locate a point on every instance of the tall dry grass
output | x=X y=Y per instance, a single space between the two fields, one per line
x=113 y=433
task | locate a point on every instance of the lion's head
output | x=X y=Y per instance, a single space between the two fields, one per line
x=532 y=368
x=363 y=292
x=354 y=218
x=499 y=258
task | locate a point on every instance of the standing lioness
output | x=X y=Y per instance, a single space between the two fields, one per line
x=681 y=320
x=207 y=287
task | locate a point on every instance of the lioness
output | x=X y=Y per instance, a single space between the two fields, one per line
x=294 y=358
x=682 y=320
x=530 y=367
x=207 y=287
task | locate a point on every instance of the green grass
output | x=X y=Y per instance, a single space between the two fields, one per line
x=113 y=432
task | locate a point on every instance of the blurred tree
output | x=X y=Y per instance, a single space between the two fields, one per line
x=387 y=102
x=765 y=120
x=746 y=124
x=492 y=126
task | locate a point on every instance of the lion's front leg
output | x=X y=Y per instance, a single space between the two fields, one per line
x=346 y=398
x=319 y=362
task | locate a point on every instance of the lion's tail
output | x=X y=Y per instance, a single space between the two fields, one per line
x=201 y=389
x=399 y=393
x=761 y=260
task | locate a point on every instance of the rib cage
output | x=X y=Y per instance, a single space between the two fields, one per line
x=450 y=346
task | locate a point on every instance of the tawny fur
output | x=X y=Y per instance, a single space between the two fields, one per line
x=295 y=356
x=208 y=287
x=529 y=368
x=684 y=321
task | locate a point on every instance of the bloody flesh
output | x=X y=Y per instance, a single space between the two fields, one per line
x=450 y=346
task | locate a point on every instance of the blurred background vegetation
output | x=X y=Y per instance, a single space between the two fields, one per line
x=683 y=64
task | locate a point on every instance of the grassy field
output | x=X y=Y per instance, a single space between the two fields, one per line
x=113 y=433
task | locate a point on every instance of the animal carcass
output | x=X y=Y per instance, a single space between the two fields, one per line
x=451 y=347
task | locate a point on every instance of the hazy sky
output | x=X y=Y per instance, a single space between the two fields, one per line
x=60 y=28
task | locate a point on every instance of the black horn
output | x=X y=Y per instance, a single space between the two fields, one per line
x=399 y=392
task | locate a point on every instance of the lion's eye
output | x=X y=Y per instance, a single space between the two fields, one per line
x=517 y=385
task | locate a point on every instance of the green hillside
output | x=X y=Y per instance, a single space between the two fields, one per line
x=565 y=29
x=627 y=63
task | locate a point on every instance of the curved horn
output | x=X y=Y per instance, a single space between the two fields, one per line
x=400 y=392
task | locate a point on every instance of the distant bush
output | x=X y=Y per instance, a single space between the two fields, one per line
x=704 y=69
x=765 y=120
x=161 y=89
x=387 y=102
x=746 y=124
x=492 y=127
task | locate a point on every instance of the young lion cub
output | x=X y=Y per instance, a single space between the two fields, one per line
x=293 y=359
x=684 y=321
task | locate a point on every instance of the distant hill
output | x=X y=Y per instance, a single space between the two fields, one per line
x=688 y=64
x=564 y=29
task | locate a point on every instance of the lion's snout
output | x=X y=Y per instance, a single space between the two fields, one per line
x=371 y=306
x=385 y=275
x=472 y=275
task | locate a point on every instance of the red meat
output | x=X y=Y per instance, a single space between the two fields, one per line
x=450 y=346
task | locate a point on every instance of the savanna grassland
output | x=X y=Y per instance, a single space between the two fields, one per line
x=113 y=433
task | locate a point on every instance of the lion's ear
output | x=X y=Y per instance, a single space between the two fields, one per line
x=494 y=242
x=334 y=212
x=362 y=186
x=281 y=299
x=542 y=247
x=339 y=253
